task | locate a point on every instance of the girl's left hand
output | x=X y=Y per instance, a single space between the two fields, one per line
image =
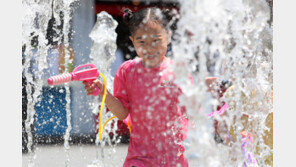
x=212 y=83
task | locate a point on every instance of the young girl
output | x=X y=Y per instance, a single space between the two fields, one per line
x=144 y=88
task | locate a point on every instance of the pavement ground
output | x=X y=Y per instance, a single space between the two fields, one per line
x=79 y=156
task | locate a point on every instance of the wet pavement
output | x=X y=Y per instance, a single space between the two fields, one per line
x=79 y=156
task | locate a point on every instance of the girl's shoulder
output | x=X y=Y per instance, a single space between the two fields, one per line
x=125 y=67
x=125 y=64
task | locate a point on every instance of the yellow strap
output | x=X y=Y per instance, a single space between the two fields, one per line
x=101 y=109
x=108 y=121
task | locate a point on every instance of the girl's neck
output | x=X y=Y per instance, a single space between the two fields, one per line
x=155 y=66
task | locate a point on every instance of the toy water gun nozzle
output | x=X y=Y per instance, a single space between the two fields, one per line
x=60 y=79
x=88 y=75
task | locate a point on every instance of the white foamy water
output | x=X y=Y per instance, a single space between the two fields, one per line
x=35 y=21
x=236 y=37
x=102 y=55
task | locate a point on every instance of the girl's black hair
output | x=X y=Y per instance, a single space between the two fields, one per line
x=165 y=17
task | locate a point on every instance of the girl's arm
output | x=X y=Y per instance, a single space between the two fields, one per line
x=113 y=104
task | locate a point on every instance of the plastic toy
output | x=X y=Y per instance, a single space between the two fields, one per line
x=88 y=75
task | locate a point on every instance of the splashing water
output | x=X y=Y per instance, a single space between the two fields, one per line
x=104 y=44
x=35 y=19
x=103 y=55
x=67 y=12
x=37 y=16
x=235 y=39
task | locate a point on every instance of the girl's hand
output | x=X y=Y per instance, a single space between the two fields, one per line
x=90 y=88
x=212 y=83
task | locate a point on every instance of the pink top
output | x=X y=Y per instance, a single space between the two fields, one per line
x=158 y=125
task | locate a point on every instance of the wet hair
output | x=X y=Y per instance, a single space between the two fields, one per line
x=166 y=18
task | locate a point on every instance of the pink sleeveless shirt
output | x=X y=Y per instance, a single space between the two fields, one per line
x=158 y=125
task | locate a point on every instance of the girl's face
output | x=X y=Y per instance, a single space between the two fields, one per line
x=150 y=41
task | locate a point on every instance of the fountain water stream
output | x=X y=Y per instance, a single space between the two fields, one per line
x=103 y=55
x=229 y=40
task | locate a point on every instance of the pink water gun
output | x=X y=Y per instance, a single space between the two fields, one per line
x=87 y=75
x=219 y=112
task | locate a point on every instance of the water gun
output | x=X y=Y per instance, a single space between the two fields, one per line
x=220 y=112
x=88 y=75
